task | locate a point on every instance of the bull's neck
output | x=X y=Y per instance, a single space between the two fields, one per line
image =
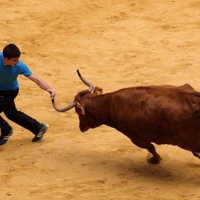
x=101 y=108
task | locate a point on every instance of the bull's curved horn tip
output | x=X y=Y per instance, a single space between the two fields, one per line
x=78 y=72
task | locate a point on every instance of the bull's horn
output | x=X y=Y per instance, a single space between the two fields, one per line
x=70 y=106
x=90 y=85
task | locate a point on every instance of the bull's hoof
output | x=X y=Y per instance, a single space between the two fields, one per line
x=154 y=160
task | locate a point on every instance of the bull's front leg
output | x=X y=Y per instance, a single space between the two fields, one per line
x=156 y=158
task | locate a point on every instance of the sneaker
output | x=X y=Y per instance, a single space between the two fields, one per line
x=4 y=138
x=38 y=137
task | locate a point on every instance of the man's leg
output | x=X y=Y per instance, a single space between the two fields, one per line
x=5 y=127
x=6 y=131
x=22 y=119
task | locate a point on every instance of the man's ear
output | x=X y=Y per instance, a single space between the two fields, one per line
x=81 y=108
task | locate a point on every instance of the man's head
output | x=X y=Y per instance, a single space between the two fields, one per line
x=11 y=54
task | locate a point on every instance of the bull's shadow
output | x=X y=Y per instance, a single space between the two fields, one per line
x=135 y=166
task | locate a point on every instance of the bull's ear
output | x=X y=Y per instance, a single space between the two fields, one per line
x=98 y=91
x=81 y=108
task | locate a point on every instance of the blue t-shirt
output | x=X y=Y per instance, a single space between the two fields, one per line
x=9 y=74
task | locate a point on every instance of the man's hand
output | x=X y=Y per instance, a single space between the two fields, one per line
x=51 y=92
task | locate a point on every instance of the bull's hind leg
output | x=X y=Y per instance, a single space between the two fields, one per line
x=155 y=159
x=196 y=150
x=196 y=154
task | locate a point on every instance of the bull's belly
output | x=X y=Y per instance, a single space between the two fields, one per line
x=184 y=143
x=189 y=140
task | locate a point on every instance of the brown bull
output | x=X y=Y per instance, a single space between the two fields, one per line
x=160 y=114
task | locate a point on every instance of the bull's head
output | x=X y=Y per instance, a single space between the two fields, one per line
x=92 y=91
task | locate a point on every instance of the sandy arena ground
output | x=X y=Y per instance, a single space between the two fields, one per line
x=115 y=44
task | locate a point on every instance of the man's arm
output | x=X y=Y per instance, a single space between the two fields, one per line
x=42 y=84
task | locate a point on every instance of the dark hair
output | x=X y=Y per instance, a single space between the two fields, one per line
x=11 y=51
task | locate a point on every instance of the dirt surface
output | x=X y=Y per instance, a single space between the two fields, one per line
x=115 y=44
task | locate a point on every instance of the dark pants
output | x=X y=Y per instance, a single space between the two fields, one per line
x=7 y=106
